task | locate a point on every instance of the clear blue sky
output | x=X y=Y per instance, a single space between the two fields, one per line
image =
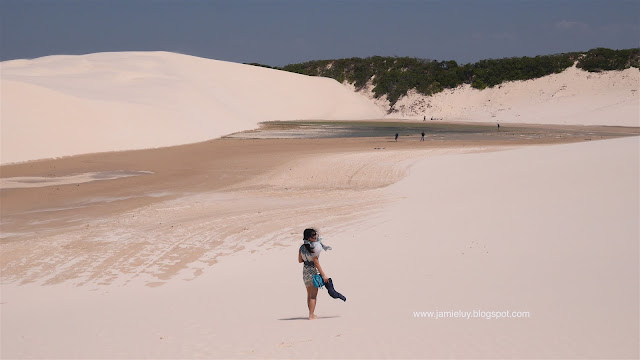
x=280 y=32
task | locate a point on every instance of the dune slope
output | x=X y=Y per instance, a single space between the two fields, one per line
x=67 y=105
x=573 y=97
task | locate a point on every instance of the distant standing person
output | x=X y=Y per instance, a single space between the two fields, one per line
x=397 y=137
x=422 y=138
x=498 y=126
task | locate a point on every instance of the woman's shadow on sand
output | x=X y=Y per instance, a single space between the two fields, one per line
x=307 y=318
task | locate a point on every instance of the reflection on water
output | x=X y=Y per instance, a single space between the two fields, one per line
x=432 y=130
x=339 y=129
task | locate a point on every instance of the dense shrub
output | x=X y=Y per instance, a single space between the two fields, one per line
x=606 y=59
x=494 y=72
x=395 y=76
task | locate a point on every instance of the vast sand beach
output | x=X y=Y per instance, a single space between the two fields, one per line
x=189 y=251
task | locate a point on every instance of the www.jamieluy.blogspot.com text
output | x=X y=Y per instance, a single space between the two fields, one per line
x=474 y=314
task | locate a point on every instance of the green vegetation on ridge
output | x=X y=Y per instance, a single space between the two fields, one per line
x=395 y=76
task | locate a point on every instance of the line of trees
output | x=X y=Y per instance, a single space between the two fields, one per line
x=395 y=76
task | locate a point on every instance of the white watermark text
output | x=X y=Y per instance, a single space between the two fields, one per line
x=473 y=314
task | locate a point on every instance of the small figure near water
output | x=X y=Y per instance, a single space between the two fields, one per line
x=422 y=138
x=397 y=137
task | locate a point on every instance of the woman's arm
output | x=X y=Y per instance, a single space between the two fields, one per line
x=317 y=262
x=299 y=257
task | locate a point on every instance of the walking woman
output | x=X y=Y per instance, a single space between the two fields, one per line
x=311 y=267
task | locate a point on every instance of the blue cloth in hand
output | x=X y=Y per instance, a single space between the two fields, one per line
x=332 y=292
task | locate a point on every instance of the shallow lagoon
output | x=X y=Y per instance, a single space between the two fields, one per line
x=432 y=130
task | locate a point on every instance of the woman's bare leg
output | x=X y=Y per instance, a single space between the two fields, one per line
x=312 y=294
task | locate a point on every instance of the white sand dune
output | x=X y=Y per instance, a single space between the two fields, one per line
x=573 y=97
x=67 y=105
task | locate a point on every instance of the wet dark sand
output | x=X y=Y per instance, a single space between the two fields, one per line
x=221 y=163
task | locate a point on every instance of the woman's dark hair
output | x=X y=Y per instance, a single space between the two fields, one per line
x=306 y=235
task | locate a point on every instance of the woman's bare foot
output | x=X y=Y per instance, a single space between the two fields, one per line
x=312 y=316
